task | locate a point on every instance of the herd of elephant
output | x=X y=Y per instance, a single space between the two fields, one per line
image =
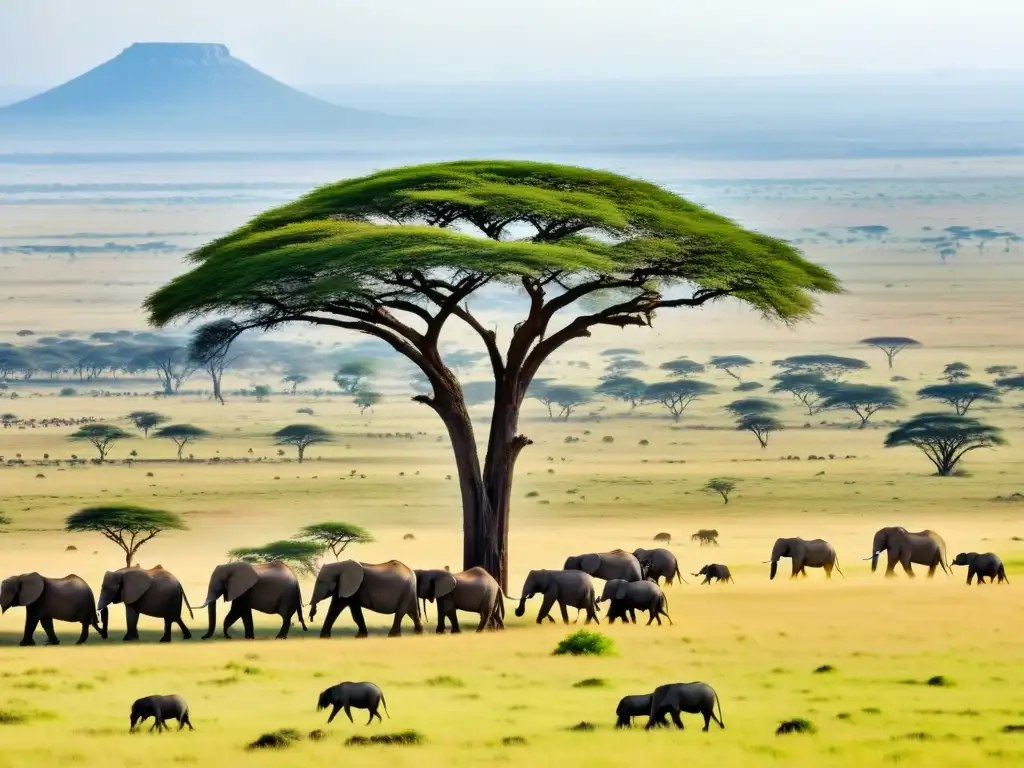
x=631 y=584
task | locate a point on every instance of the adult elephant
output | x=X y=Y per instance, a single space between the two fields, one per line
x=47 y=600
x=268 y=588
x=473 y=591
x=570 y=589
x=805 y=553
x=154 y=592
x=903 y=547
x=617 y=564
x=385 y=588
x=659 y=563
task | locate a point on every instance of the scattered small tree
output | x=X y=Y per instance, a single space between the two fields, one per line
x=295 y=379
x=831 y=367
x=181 y=435
x=961 y=395
x=1010 y=382
x=891 y=345
x=334 y=536
x=945 y=438
x=809 y=388
x=102 y=436
x=261 y=392
x=954 y=372
x=8 y=419
x=4 y=519
x=561 y=399
x=678 y=394
x=146 y=420
x=682 y=368
x=729 y=363
x=366 y=400
x=723 y=486
x=301 y=436
x=625 y=388
x=755 y=415
x=210 y=350
x=865 y=400
x=301 y=556
x=126 y=525
x=1001 y=371
x=351 y=376
x=623 y=366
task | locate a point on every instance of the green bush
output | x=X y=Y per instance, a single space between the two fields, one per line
x=68 y=392
x=796 y=725
x=404 y=738
x=276 y=739
x=585 y=643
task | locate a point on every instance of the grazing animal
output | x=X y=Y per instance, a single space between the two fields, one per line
x=630 y=707
x=706 y=537
x=388 y=588
x=903 y=547
x=674 y=698
x=570 y=589
x=716 y=572
x=154 y=592
x=271 y=588
x=616 y=564
x=161 y=709
x=657 y=564
x=987 y=564
x=805 y=553
x=45 y=600
x=663 y=536
x=631 y=596
x=359 y=695
x=474 y=590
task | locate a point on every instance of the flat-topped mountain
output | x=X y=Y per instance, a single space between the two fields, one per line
x=183 y=89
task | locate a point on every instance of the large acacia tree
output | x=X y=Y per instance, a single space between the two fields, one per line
x=399 y=255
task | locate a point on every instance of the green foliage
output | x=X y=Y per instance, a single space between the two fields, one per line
x=560 y=399
x=67 y=392
x=808 y=387
x=127 y=525
x=831 y=367
x=944 y=438
x=1001 y=370
x=351 y=376
x=796 y=725
x=682 y=368
x=8 y=419
x=301 y=556
x=181 y=435
x=723 y=486
x=621 y=366
x=301 y=436
x=261 y=392
x=1010 y=382
x=748 y=386
x=366 y=400
x=102 y=436
x=890 y=345
x=402 y=738
x=863 y=399
x=4 y=519
x=961 y=395
x=676 y=395
x=755 y=415
x=146 y=420
x=729 y=363
x=334 y=536
x=585 y=643
x=954 y=372
x=276 y=739
x=625 y=388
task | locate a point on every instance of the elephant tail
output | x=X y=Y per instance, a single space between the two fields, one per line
x=298 y=612
x=425 y=616
x=1002 y=573
x=679 y=576
x=718 y=701
x=184 y=598
x=384 y=702
x=838 y=568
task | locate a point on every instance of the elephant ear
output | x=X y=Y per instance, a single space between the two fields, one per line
x=135 y=582
x=350 y=578
x=242 y=578
x=620 y=590
x=31 y=588
x=444 y=584
x=590 y=563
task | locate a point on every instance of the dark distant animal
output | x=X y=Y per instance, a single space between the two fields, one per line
x=672 y=699
x=716 y=572
x=987 y=564
x=658 y=564
x=630 y=707
x=161 y=709
x=706 y=537
x=665 y=537
x=359 y=695
x=631 y=596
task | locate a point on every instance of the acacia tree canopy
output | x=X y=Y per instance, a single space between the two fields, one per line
x=891 y=345
x=102 y=436
x=181 y=435
x=303 y=556
x=961 y=395
x=126 y=525
x=682 y=367
x=756 y=415
x=628 y=389
x=1011 y=382
x=865 y=400
x=729 y=363
x=954 y=372
x=945 y=438
x=302 y=436
x=809 y=388
x=677 y=394
x=146 y=420
x=831 y=367
x=334 y=536
x=375 y=255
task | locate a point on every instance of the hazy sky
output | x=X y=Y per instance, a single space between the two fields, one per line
x=43 y=42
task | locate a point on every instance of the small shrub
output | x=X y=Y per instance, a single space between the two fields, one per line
x=585 y=643
x=663 y=536
x=843 y=716
x=70 y=548
x=403 y=738
x=871 y=711
x=68 y=392
x=446 y=681
x=513 y=741
x=317 y=735
x=532 y=494
x=939 y=681
x=591 y=682
x=583 y=725
x=824 y=669
x=408 y=537
x=607 y=439
x=1013 y=728
x=276 y=739
x=149 y=474
x=644 y=442
x=796 y=725
x=12 y=717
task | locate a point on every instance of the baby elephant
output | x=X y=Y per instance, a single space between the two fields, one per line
x=981 y=566
x=630 y=707
x=631 y=596
x=684 y=697
x=161 y=709
x=716 y=572
x=348 y=695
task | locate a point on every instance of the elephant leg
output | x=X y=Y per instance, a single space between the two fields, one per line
x=414 y=614
x=333 y=612
x=632 y=615
x=440 y=623
x=51 y=634
x=564 y=611
x=970 y=575
x=166 y=637
x=591 y=615
x=131 y=619
x=370 y=719
x=357 y=615
x=677 y=719
x=185 y=633
x=454 y=620
x=31 y=621
x=250 y=630
x=348 y=713
x=653 y=615
x=707 y=720
x=286 y=625
x=334 y=713
x=828 y=571
x=931 y=570
x=545 y=607
x=85 y=633
x=233 y=615
x=396 y=625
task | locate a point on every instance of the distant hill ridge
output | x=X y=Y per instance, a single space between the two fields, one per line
x=192 y=88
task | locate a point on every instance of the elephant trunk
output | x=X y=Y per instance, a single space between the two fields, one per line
x=425 y=616
x=521 y=608
x=775 y=568
x=874 y=560
x=104 y=601
x=211 y=607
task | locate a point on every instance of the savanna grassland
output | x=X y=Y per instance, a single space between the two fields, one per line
x=852 y=655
